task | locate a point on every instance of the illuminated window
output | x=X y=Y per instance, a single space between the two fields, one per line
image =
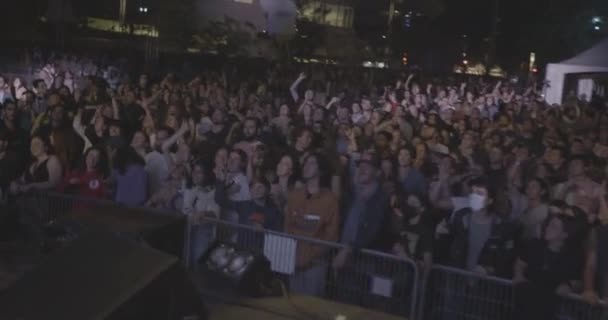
x=328 y=14
x=244 y=1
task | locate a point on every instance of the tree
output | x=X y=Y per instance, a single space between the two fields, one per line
x=225 y=37
x=175 y=21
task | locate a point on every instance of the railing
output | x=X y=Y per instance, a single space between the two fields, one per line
x=370 y=279
x=451 y=293
x=573 y=307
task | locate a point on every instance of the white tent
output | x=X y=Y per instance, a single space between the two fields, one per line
x=594 y=60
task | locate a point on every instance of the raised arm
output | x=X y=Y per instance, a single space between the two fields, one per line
x=79 y=129
x=176 y=136
x=333 y=101
x=294 y=87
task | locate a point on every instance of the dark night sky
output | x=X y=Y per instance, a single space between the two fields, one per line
x=525 y=24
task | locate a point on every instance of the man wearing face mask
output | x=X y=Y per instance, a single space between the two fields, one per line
x=481 y=241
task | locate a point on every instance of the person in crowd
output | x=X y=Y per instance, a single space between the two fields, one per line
x=198 y=204
x=412 y=180
x=481 y=241
x=493 y=160
x=170 y=195
x=287 y=174
x=312 y=211
x=579 y=187
x=17 y=137
x=545 y=268
x=531 y=209
x=595 y=276
x=9 y=162
x=129 y=177
x=45 y=171
x=88 y=180
x=235 y=177
x=157 y=160
x=413 y=229
x=5 y=92
x=258 y=212
x=366 y=212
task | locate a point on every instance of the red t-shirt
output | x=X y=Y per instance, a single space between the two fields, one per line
x=90 y=184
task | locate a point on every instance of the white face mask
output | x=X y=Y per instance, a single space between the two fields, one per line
x=476 y=202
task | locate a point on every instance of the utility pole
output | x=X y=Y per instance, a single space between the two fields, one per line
x=389 y=32
x=491 y=56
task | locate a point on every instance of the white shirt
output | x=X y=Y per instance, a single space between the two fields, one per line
x=197 y=200
x=243 y=194
x=157 y=167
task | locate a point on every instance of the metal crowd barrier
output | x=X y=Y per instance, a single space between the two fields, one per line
x=370 y=279
x=573 y=307
x=456 y=294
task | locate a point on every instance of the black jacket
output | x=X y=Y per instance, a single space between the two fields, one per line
x=498 y=252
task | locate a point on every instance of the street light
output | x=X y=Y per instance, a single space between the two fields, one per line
x=597 y=28
x=596 y=20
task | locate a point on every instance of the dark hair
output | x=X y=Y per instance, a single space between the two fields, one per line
x=424 y=200
x=37 y=82
x=102 y=165
x=482 y=182
x=546 y=192
x=241 y=154
x=296 y=170
x=207 y=176
x=7 y=102
x=324 y=168
x=409 y=148
x=46 y=141
x=127 y=156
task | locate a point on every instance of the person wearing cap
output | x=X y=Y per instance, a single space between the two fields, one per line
x=365 y=212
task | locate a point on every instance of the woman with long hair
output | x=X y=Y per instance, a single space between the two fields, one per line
x=130 y=177
x=286 y=177
x=45 y=171
x=88 y=179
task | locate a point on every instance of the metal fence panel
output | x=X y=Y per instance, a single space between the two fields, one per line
x=452 y=293
x=572 y=307
x=369 y=279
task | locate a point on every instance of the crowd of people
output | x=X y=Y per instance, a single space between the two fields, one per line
x=477 y=174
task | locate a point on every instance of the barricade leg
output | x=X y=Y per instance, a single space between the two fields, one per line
x=310 y=281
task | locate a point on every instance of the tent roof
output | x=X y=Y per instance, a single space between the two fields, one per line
x=596 y=56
